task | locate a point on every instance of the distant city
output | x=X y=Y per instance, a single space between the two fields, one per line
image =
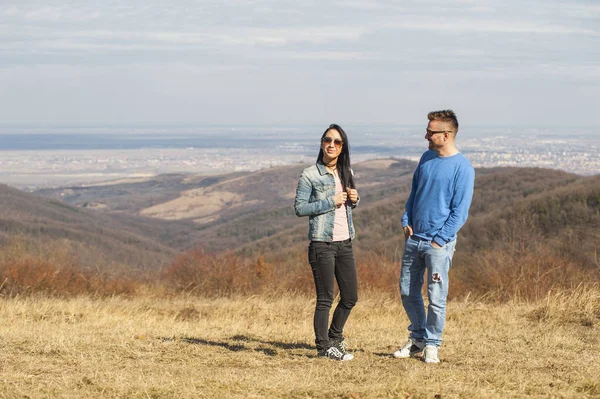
x=30 y=160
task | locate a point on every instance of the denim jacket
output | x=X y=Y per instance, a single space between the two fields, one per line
x=314 y=198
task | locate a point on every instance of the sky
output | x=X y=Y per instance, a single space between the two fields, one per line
x=279 y=62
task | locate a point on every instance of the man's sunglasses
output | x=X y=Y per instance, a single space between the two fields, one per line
x=430 y=133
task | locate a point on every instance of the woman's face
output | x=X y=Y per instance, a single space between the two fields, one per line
x=331 y=144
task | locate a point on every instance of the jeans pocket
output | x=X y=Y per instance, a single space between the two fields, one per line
x=436 y=248
x=316 y=249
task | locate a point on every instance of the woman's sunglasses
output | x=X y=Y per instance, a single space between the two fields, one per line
x=327 y=140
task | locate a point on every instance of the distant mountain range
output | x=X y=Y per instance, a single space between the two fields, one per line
x=144 y=223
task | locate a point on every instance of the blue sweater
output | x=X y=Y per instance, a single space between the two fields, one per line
x=439 y=201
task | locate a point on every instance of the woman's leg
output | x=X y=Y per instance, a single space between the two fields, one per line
x=321 y=257
x=345 y=274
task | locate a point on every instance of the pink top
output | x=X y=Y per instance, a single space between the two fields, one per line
x=340 y=226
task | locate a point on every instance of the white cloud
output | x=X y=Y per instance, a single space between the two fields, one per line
x=286 y=56
x=573 y=10
x=462 y=25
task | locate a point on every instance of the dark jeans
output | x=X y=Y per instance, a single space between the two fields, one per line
x=329 y=261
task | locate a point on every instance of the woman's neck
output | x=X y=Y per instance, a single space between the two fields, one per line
x=331 y=166
x=329 y=162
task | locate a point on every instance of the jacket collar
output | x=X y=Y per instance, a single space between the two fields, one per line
x=321 y=167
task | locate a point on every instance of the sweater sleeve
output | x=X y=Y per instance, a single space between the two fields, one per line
x=407 y=217
x=459 y=207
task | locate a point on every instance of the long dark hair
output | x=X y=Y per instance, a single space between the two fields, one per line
x=343 y=162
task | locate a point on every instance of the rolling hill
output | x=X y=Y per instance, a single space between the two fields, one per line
x=226 y=211
x=95 y=239
x=252 y=213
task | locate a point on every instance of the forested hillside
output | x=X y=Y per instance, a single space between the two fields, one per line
x=527 y=210
x=227 y=211
x=94 y=240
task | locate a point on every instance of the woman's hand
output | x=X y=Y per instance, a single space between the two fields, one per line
x=340 y=198
x=352 y=194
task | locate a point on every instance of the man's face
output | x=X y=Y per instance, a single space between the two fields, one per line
x=437 y=133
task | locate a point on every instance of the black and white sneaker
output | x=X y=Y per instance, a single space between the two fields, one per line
x=334 y=353
x=341 y=344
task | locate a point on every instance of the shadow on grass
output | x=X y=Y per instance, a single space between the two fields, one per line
x=381 y=354
x=246 y=345
x=228 y=346
x=277 y=344
x=281 y=345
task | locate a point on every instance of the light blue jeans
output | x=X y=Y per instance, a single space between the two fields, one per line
x=419 y=256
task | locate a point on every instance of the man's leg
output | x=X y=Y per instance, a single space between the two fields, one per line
x=438 y=261
x=411 y=282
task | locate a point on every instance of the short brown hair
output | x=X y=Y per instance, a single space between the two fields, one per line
x=446 y=115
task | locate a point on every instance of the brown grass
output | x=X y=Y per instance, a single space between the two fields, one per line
x=528 y=276
x=262 y=347
x=523 y=271
x=579 y=306
x=26 y=269
x=202 y=273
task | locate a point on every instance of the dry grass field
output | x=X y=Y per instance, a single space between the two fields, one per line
x=262 y=347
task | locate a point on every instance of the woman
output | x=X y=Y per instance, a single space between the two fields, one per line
x=326 y=193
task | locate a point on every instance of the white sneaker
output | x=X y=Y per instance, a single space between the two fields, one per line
x=409 y=349
x=430 y=354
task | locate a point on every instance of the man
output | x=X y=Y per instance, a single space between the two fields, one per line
x=438 y=206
